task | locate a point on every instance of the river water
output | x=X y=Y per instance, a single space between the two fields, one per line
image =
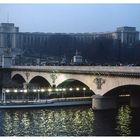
x=70 y=121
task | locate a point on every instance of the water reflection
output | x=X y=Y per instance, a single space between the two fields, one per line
x=59 y=122
x=124 y=121
x=70 y=121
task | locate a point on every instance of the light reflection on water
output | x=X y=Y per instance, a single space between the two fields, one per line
x=124 y=121
x=55 y=122
x=66 y=121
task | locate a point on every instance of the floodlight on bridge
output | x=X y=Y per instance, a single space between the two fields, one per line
x=34 y=90
x=84 y=88
x=60 y=89
x=64 y=89
x=25 y=90
x=49 y=89
x=21 y=90
x=15 y=90
x=124 y=95
x=77 y=89
x=7 y=90
x=56 y=89
x=70 y=89
x=42 y=90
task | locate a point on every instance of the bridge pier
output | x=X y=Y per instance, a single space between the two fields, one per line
x=135 y=100
x=103 y=102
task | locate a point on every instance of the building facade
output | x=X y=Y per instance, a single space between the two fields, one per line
x=10 y=37
x=127 y=35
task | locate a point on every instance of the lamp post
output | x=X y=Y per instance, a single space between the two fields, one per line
x=3 y=96
x=25 y=91
x=84 y=89
x=34 y=91
x=49 y=91
x=63 y=92
x=38 y=95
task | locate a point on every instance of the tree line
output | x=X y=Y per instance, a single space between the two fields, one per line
x=105 y=51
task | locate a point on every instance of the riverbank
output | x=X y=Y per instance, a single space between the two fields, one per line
x=47 y=103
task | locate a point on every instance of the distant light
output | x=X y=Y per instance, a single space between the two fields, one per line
x=7 y=90
x=38 y=90
x=124 y=95
x=56 y=89
x=84 y=88
x=90 y=88
x=25 y=90
x=49 y=89
x=64 y=89
x=70 y=89
x=77 y=89
x=21 y=90
x=15 y=91
x=34 y=90
x=42 y=90
x=60 y=89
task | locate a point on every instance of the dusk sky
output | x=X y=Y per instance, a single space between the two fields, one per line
x=70 y=17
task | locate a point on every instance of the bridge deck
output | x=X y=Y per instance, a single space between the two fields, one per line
x=83 y=69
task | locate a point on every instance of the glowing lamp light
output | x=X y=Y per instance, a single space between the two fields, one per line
x=77 y=89
x=7 y=90
x=34 y=90
x=70 y=89
x=25 y=90
x=60 y=89
x=42 y=90
x=38 y=90
x=49 y=89
x=84 y=89
x=125 y=95
x=21 y=90
x=56 y=89
x=64 y=89
x=15 y=90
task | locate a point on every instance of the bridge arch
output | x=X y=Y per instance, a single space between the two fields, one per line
x=75 y=88
x=72 y=82
x=85 y=79
x=124 y=89
x=16 y=81
x=115 y=82
x=39 y=81
x=18 y=76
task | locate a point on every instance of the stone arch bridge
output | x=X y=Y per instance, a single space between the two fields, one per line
x=100 y=79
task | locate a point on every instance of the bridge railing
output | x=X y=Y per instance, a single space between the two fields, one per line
x=82 y=68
